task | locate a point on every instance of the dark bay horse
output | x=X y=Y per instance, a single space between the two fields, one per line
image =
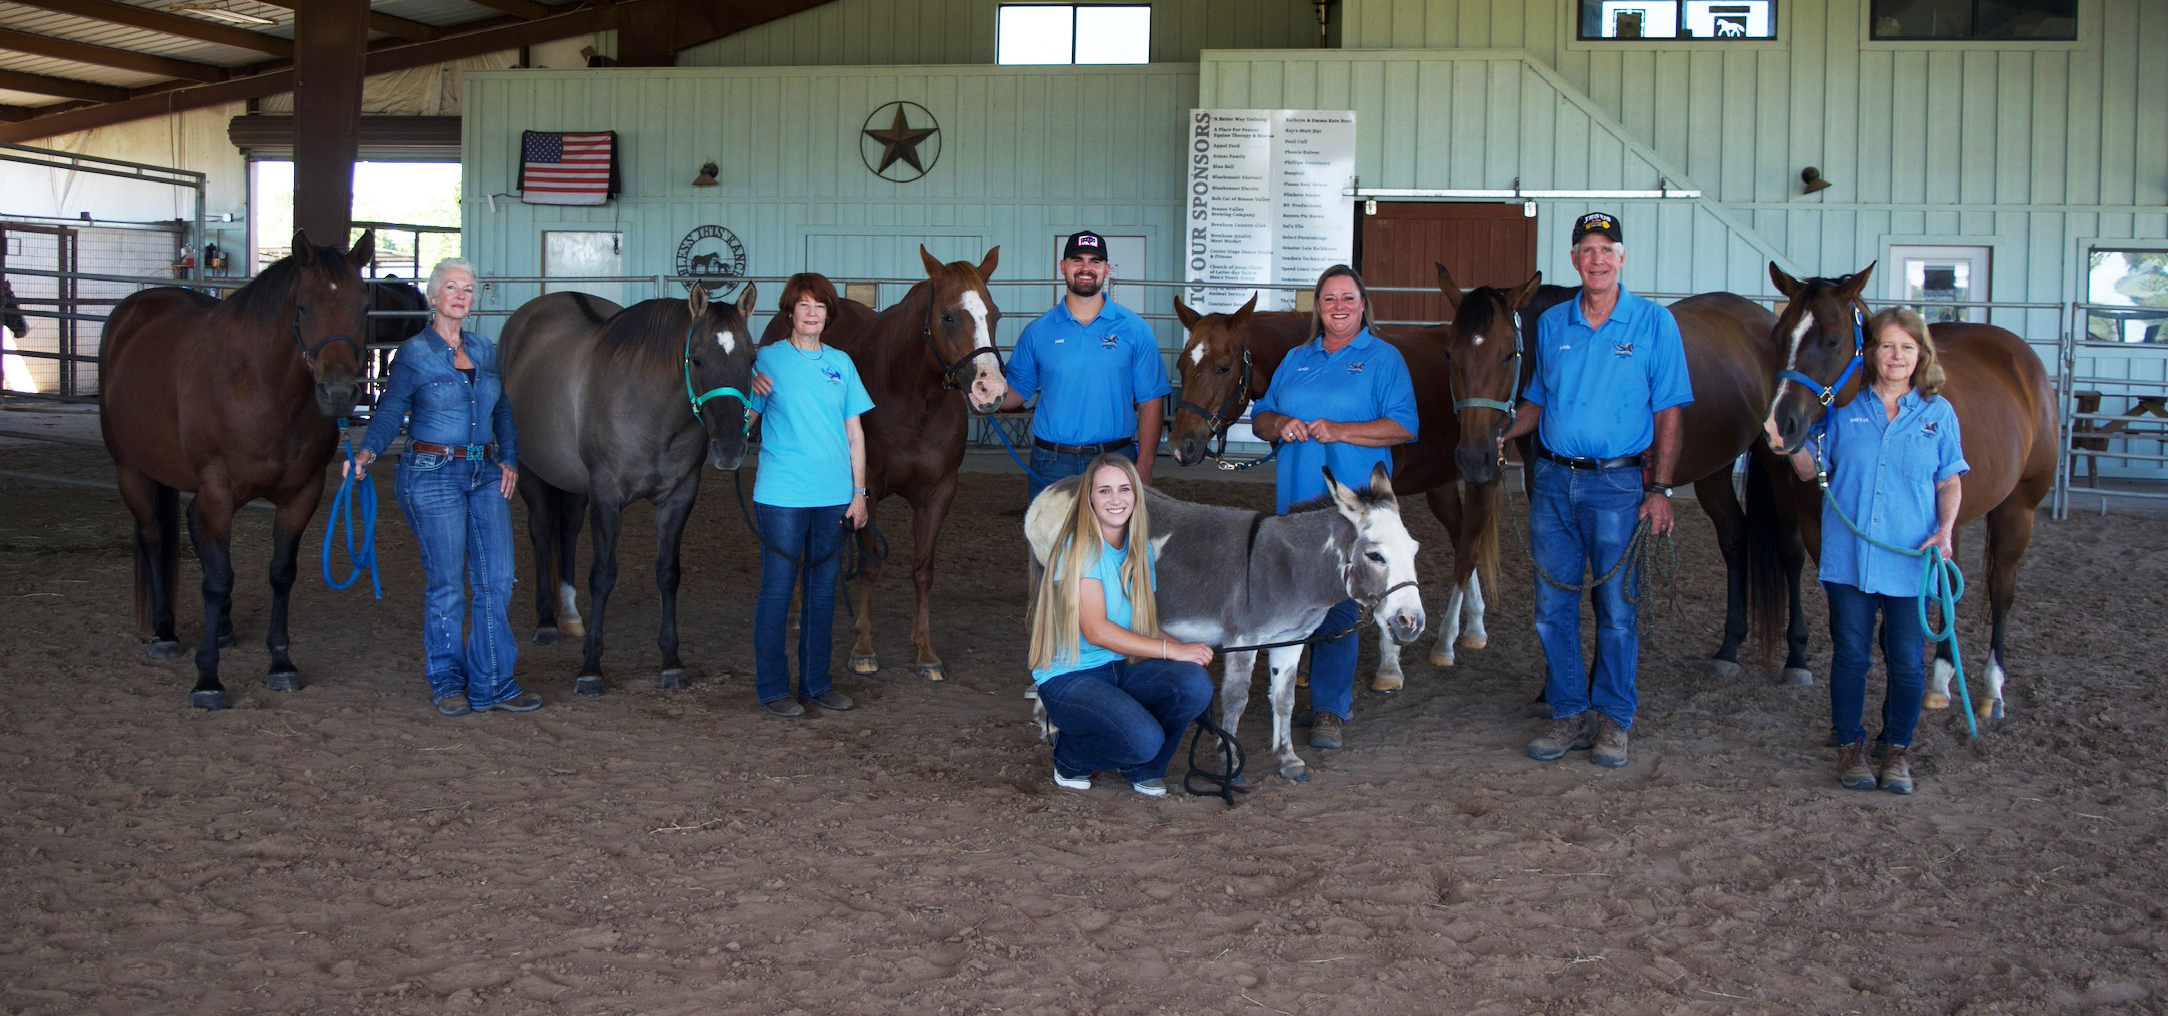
x=613 y=406
x=233 y=399
x=1731 y=363
x=2006 y=416
x=915 y=357
x=1227 y=363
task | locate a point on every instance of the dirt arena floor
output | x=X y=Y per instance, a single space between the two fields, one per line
x=342 y=849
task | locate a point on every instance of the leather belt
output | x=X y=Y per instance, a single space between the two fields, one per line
x=471 y=452
x=1580 y=462
x=1083 y=449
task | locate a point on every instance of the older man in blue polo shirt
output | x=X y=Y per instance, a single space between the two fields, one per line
x=1609 y=382
x=1095 y=366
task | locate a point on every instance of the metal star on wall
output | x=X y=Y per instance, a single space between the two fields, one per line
x=901 y=142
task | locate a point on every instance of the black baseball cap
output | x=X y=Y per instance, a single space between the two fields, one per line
x=1085 y=241
x=1597 y=222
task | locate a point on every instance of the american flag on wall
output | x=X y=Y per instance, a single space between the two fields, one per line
x=567 y=167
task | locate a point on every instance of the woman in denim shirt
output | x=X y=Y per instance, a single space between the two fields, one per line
x=1895 y=460
x=455 y=483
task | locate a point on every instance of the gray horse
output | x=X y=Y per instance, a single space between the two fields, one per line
x=1229 y=576
x=613 y=406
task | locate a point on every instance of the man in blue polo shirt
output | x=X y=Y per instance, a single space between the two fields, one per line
x=1095 y=366
x=1609 y=382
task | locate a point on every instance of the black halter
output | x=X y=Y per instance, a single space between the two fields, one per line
x=1216 y=423
x=950 y=372
x=309 y=353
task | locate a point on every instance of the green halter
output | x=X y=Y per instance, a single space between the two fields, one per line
x=700 y=399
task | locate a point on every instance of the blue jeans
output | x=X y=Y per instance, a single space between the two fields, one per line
x=464 y=528
x=1048 y=467
x=1125 y=716
x=1904 y=648
x=1332 y=664
x=813 y=536
x=1577 y=520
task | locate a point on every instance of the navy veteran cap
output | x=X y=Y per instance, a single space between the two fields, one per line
x=1597 y=222
x=1085 y=242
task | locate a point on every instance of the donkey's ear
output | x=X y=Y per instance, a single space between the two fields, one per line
x=933 y=264
x=1188 y=316
x=993 y=257
x=363 y=253
x=1785 y=284
x=1447 y=286
x=1381 y=484
x=1350 y=505
x=749 y=302
x=696 y=298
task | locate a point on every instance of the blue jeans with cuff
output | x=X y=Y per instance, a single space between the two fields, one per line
x=1127 y=716
x=812 y=536
x=1581 y=519
x=1851 y=652
x=464 y=528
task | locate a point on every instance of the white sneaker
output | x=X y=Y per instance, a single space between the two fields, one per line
x=1083 y=782
x=1150 y=788
x=1032 y=692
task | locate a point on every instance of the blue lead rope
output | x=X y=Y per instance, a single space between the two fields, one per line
x=1942 y=583
x=1003 y=433
x=356 y=493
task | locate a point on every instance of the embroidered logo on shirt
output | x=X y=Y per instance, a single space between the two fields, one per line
x=1622 y=350
x=1928 y=429
x=1109 y=341
x=834 y=376
x=1355 y=368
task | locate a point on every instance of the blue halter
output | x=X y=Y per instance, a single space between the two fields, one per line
x=701 y=399
x=1859 y=350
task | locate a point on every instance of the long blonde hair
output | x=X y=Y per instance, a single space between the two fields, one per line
x=1056 y=634
x=1927 y=374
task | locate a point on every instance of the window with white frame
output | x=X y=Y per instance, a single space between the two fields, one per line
x=1073 y=34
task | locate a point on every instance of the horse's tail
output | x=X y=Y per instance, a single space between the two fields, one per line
x=166 y=513
x=1768 y=589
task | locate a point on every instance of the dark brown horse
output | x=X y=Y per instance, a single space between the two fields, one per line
x=233 y=399
x=2005 y=413
x=1732 y=364
x=1228 y=362
x=921 y=360
x=609 y=405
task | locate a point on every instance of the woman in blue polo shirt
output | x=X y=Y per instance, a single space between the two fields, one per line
x=812 y=479
x=1894 y=460
x=454 y=483
x=1120 y=691
x=1341 y=400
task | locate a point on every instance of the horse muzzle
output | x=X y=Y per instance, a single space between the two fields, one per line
x=1188 y=451
x=1477 y=465
x=337 y=397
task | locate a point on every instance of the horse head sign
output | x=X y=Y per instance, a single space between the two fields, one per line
x=715 y=252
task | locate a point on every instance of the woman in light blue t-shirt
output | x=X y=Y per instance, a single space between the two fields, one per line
x=812 y=481
x=1118 y=689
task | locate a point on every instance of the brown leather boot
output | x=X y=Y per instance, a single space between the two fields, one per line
x=1324 y=730
x=1896 y=773
x=1852 y=769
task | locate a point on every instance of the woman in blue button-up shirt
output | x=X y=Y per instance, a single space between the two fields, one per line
x=454 y=483
x=1340 y=401
x=1894 y=461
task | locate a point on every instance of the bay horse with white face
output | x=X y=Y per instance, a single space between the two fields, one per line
x=233 y=399
x=1226 y=365
x=2005 y=415
x=922 y=360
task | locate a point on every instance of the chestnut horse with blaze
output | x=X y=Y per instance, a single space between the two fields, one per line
x=922 y=360
x=233 y=399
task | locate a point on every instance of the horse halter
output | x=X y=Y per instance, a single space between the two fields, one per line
x=702 y=398
x=309 y=353
x=1859 y=350
x=1507 y=407
x=1216 y=423
x=950 y=379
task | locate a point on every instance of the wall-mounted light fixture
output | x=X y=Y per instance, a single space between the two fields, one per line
x=1812 y=178
x=707 y=175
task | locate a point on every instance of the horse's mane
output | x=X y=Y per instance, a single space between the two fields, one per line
x=648 y=334
x=262 y=303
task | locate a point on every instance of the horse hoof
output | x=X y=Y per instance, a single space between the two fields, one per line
x=1440 y=658
x=1796 y=677
x=1991 y=709
x=930 y=671
x=166 y=649
x=573 y=627
x=1302 y=680
x=208 y=700
x=545 y=636
x=1384 y=685
x=1936 y=700
x=225 y=641
x=587 y=686
x=1722 y=669
x=1474 y=642
x=865 y=665
x=672 y=679
x=283 y=680
x=1295 y=773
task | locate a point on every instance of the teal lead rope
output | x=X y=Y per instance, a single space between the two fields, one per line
x=1941 y=583
x=356 y=494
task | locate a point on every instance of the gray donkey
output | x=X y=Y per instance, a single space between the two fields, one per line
x=1229 y=576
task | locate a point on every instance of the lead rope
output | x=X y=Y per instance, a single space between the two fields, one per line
x=855 y=559
x=1652 y=557
x=1224 y=783
x=355 y=494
